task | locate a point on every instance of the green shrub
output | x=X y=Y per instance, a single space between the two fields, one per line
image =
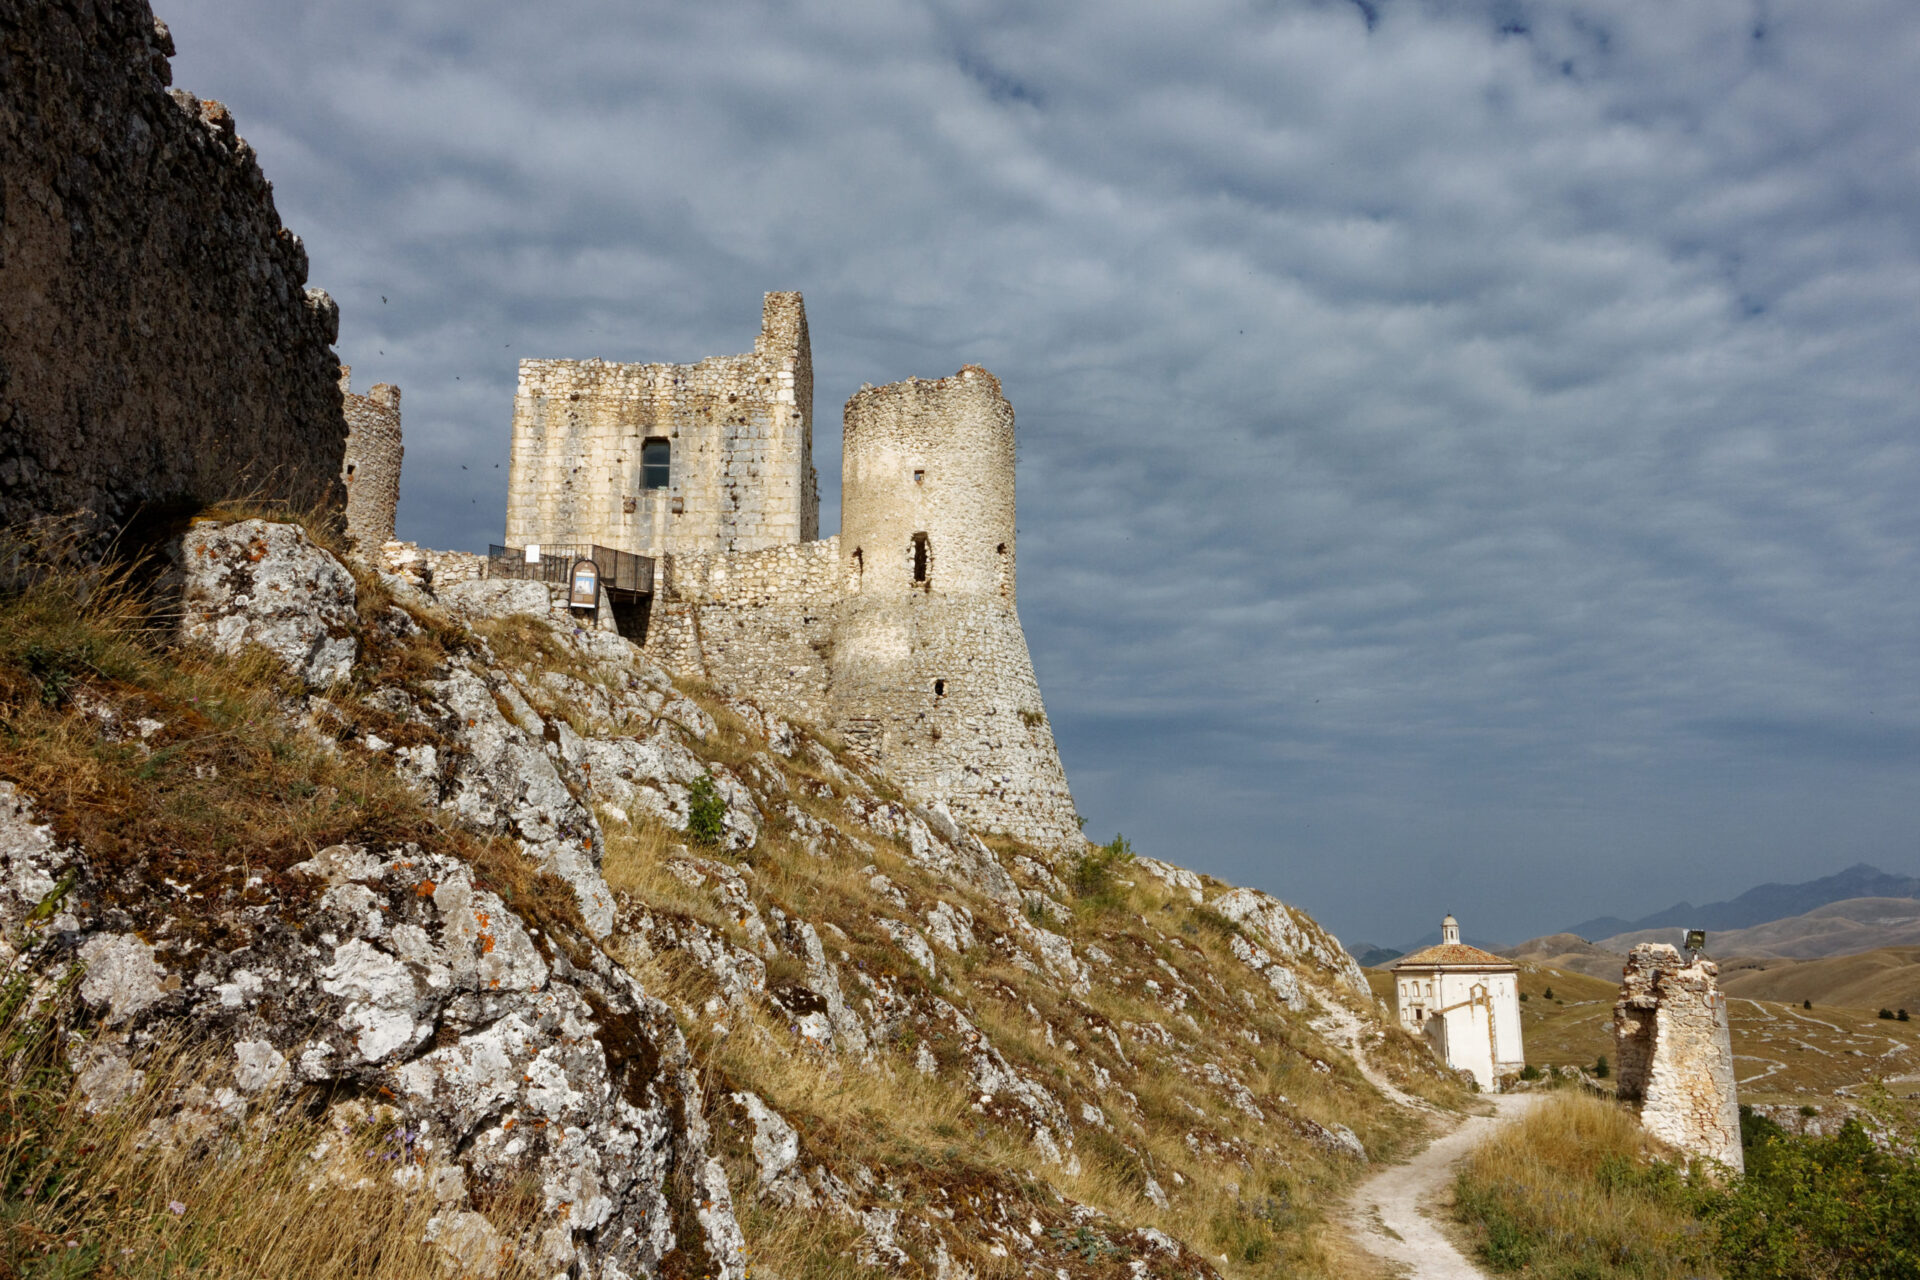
x=1887 y=1014
x=706 y=811
x=1600 y=1068
x=1092 y=874
x=1529 y=1072
x=1819 y=1207
x=1902 y=1015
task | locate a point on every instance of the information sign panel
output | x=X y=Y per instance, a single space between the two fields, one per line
x=584 y=589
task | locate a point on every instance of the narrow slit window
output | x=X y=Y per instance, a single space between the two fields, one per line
x=919 y=477
x=939 y=688
x=919 y=558
x=656 y=463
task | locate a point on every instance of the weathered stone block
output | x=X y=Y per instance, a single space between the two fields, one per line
x=1675 y=1055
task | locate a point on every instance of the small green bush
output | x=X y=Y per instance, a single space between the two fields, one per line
x=1600 y=1069
x=1092 y=874
x=706 y=811
x=1548 y=993
x=1838 y=1206
x=1806 y=1004
x=1887 y=1014
x=1902 y=1015
x=1529 y=1072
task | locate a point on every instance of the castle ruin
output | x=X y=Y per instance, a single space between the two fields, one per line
x=1675 y=1053
x=371 y=470
x=658 y=459
x=901 y=633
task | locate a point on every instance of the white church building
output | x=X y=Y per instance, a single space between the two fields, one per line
x=1465 y=1002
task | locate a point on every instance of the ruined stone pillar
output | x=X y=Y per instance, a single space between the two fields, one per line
x=371 y=469
x=1675 y=1055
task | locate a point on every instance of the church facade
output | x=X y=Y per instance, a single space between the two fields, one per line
x=1465 y=1003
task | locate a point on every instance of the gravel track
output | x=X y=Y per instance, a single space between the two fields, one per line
x=1390 y=1212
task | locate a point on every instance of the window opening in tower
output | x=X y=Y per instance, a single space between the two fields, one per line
x=656 y=463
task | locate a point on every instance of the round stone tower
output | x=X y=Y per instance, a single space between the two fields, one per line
x=931 y=677
x=371 y=467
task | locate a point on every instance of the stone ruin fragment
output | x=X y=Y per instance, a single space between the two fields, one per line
x=1675 y=1054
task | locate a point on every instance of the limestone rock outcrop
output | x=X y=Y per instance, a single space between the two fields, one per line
x=264 y=582
x=511 y=1053
x=644 y=1024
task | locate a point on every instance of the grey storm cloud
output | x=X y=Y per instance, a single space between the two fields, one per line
x=1468 y=452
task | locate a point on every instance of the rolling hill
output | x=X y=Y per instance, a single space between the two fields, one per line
x=1569 y=952
x=1887 y=977
x=1838 y=928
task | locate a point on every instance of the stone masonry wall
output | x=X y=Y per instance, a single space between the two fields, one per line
x=755 y=623
x=740 y=428
x=157 y=345
x=1675 y=1055
x=371 y=472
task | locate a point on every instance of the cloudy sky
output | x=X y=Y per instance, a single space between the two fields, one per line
x=1468 y=451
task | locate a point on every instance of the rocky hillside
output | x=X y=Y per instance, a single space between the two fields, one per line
x=636 y=978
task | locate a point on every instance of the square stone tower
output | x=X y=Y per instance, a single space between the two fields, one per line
x=662 y=459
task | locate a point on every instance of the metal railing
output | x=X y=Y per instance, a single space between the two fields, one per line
x=620 y=571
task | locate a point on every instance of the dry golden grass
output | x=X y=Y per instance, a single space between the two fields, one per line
x=103 y=1195
x=1577 y=1189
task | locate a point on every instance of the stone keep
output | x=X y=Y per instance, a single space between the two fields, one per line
x=930 y=673
x=1675 y=1056
x=738 y=435
x=371 y=472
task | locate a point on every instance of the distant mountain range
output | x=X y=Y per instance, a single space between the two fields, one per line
x=1759 y=905
x=1840 y=928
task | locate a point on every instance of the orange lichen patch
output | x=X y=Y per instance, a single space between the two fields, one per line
x=424 y=889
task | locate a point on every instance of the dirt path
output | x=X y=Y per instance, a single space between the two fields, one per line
x=1343 y=1027
x=1386 y=1211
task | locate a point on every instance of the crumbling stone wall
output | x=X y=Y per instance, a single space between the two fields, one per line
x=740 y=431
x=756 y=623
x=1675 y=1055
x=157 y=345
x=371 y=472
x=932 y=680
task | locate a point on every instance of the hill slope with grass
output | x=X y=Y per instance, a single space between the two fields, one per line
x=1838 y=928
x=335 y=885
x=1887 y=977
